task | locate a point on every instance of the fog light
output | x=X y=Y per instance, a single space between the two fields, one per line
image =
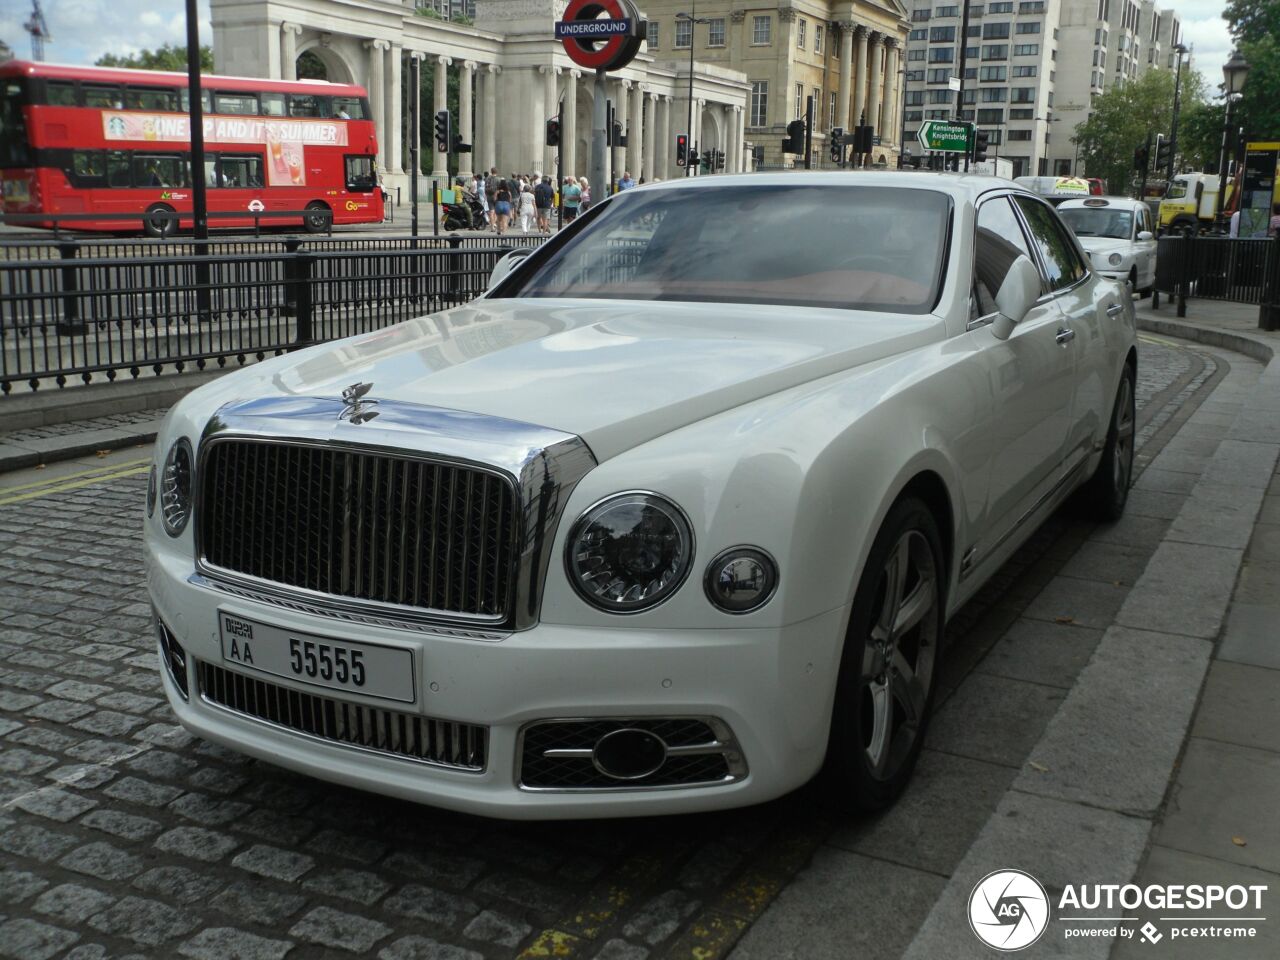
x=741 y=579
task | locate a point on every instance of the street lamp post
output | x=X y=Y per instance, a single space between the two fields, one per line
x=1180 y=50
x=1234 y=73
x=693 y=20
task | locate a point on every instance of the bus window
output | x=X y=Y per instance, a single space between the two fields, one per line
x=103 y=96
x=88 y=168
x=60 y=93
x=152 y=98
x=240 y=169
x=360 y=175
x=118 y=169
x=348 y=108
x=244 y=104
x=13 y=131
x=184 y=98
x=304 y=105
x=272 y=104
x=211 y=179
x=159 y=170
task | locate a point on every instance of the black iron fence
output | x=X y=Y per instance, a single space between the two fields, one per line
x=83 y=309
x=1217 y=268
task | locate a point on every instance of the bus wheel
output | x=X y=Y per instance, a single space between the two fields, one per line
x=317 y=217
x=160 y=226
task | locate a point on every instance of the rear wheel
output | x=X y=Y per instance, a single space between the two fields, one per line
x=1105 y=495
x=885 y=688
x=161 y=225
x=317 y=217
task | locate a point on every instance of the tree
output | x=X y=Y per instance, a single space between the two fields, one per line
x=168 y=57
x=1122 y=118
x=1255 y=25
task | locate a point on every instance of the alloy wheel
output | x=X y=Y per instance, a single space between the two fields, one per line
x=1122 y=459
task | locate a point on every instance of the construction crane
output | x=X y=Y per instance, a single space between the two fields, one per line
x=39 y=30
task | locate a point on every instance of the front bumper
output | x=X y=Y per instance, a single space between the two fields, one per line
x=772 y=688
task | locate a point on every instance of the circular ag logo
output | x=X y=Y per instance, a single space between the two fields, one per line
x=1008 y=910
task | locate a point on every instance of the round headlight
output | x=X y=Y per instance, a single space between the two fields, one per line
x=741 y=579
x=151 y=491
x=176 y=484
x=629 y=553
x=1115 y=259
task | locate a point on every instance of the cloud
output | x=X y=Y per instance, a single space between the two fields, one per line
x=83 y=30
x=1211 y=45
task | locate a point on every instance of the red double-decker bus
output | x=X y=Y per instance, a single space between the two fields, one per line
x=91 y=140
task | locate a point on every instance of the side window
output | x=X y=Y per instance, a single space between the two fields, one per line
x=103 y=96
x=184 y=100
x=348 y=108
x=360 y=174
x=240 y=170
x=272 y=104
x=118 y=169
x=159 y=170
x=304 y=105
x=88 y=168
x=998 y=243
x=60 y=93
x=1062 y=266
x=243 y=104
x=152 y=98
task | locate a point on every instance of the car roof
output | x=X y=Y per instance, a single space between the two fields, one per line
x=966 y=185
x=1124 y=202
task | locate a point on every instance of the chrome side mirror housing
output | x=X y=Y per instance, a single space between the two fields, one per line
x=1146 y=235
x=505 y=265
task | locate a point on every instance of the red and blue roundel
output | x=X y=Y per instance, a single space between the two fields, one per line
x=607 y=42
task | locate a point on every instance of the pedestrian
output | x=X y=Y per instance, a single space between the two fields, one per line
x=491 y=190
x=542 y=195
x=584 y=194
x=626 y=183
x=482 y=194
x=572 y=198
x=528 y=210
x=502 y=206
x=1273 y=229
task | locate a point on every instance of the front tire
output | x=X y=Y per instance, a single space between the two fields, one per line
x=159 y=226
x=888 y=673
x=1106 y=493
x=317 y=217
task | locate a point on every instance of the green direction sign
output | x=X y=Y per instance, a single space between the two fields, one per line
x=944 y=135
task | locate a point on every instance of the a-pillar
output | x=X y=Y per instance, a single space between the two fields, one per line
x=395 y=127
x=465 y=125
x=846 y=74
x=378 y=95
x=892 y=109
x=488 y=100
x=877 y=83
x=569 y=123
x=635 y=155
x=551 y=106
x=649 y=164
x=859 y=77
x=289 y=50
x=440 y=171
x=665 y=138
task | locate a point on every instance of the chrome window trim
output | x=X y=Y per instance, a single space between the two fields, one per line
x=541 y=465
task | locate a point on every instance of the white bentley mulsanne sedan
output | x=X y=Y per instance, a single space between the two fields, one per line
x=670 y=519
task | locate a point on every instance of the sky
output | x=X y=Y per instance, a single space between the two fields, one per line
x=83 y=30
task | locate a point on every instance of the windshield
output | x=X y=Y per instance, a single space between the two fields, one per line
x=1177 y=190
x=822 y=245
x=1098 y=222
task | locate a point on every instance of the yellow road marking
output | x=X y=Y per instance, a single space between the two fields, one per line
x=57 y=487
x=1148 y=338
x=5 y=491
x=552 y=944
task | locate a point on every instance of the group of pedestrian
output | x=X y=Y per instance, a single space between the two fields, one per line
x=525 y=199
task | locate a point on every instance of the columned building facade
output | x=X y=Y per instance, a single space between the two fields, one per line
x=511 y=73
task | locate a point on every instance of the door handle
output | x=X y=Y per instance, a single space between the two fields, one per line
x=1065 y=335
x=1114 y=309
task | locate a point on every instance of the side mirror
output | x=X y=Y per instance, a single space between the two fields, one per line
x=1146 y=235
x=506 y=265
x=1016 y=296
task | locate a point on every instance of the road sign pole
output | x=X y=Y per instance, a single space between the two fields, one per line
x=808 y=133
x=599 y=150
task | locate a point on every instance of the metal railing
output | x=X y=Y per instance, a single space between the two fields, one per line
x=112 y=309
x=1216 y=268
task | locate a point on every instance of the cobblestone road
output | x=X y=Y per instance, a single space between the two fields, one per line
x=124 y=836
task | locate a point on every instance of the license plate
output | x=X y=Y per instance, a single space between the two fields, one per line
x=366 y=668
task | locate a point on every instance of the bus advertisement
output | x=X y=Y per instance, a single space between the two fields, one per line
x=90 y=140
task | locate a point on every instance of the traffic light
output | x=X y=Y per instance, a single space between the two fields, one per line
x=616 y=137
x=444 y=134
x=1164 y=153
x=553 y=132
x=719 y=159
x=980 y=139
x=863 y=138
x=1142 y=158
x=706 y=159
x=794 y=142
x=837 y=144
x=682 y=149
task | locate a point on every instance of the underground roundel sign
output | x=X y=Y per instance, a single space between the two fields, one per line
x=601 y=34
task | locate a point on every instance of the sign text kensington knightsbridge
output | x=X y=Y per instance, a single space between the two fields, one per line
x=1009 y=910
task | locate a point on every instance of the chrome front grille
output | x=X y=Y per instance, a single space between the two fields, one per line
x=361 y=525
x=462 y=746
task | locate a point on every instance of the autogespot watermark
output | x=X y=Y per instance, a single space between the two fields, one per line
x=1010 y=910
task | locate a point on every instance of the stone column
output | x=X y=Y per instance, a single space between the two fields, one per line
x=892 y=107
x=378 y=95
x=569 y=123
x=621 y=99
x=550 y=109
x=395 y=126
x=465 y=126
x=877 y=83
x=649 y=165
x=859 y=77
x=489 y=101
x=846 y=74
x=635 y=155
x=289 y=51
x=665 y=139
x=695 y=139
x=440 y=170
x=741 y=114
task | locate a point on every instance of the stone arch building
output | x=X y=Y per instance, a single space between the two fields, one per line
x=512 y=73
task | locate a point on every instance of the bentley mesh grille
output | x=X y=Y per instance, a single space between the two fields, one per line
x=360 y=525
x=462 y=746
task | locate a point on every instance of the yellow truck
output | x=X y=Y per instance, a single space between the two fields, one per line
x=1189 y=203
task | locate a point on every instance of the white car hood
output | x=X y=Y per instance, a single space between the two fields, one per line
x=1105 y=245
x=616 y=373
